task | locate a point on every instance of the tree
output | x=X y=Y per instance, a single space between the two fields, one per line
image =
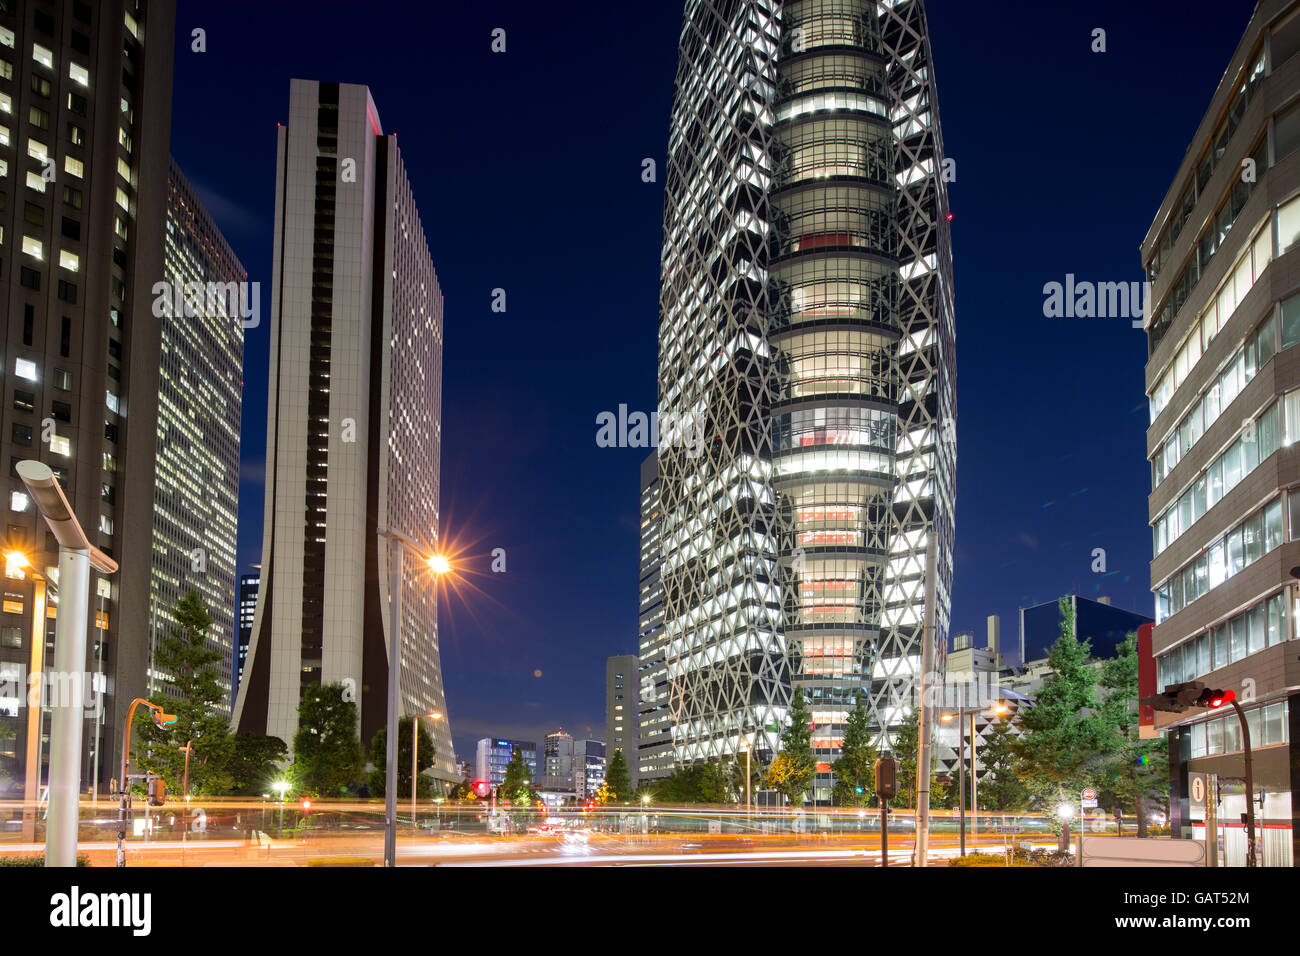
x=186 y=657
x=255 y=761
x=1139 y=769
x=518 y=784
x=326 y=751
x=1066 y=740
x=794 y=767
x=377 y=779
x=463 y=792
x=907 y=753
x=1001 y=789
x=605 y=793
x=855 y=768
x=616 y=776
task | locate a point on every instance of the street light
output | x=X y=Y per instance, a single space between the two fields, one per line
x=16 y=561
x=438 y=564
x=999 y=708
x=415 y=748
x=744 y=743
x=76 y=557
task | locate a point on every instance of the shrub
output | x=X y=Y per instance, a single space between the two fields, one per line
x=35 y=859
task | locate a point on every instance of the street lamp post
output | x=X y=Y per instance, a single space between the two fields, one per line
x=744 y=742
x=439 y=565
x=1001 y=708
x=76 y=557
x=1250 y=783
x=415 y=762
x=35 y=682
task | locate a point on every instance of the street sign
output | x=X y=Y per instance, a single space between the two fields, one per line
x=1008 y=829
x=1089 y=798
x=1196 y=789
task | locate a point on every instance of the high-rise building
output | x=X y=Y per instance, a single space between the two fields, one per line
x=353 y=426
x=654 y=753
x=557 y=765
x=806 y=329
x=85 y=115
x=1223 y=377
x=621 y=683
x=200 y=398
x=248 y=585
x=1099 y=622
x=588 y=767
x=493 y=754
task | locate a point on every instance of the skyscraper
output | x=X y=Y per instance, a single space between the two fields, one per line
x=806 y=320
x=85 y=110
x=1223 y=379
x=248 y=585
x=621 y=725
x=353 y=425
x=200 y=397
x=654 y=753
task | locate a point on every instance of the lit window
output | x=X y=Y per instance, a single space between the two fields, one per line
x=36 y=150
x=6 y=37
x=35 y=181
x=69 y=260
x=6 y=103
x=4 y=168
x=13 y=603
x=43 y=56
x=25 y=368
x=110 y=463
x=33 y=246
x=60 y=445
x=106 y=524
x=111 y=402
x=124 y=170
x=4 y=135
x=79 y=74
x=18 y=501
x=132 y=26
x=123 y=200
x=73 y=167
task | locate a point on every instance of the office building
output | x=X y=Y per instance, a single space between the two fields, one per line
x=200 y=398
x=1223 y=379
x=621 y=717
x=807 y=331
x=1099 y=622
x=588 y=767
x=85 y=115
x=654 y=753
x=557 y=762
x=353 y=426
x=492 y=755
x=248 y=584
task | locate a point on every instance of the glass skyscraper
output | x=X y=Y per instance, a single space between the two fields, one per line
x=806 y=326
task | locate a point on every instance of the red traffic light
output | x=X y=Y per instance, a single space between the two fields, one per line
x=482 y=788
x=1223 y=697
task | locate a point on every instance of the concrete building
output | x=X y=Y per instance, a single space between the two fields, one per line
x=353 y=426
x=557 y=762
x=807 y=331
x=588 y=767
x=1223 y=378
x=248 y=585
x=85 y=114
x=200 y=399
x=622 y=677
x=493 y=754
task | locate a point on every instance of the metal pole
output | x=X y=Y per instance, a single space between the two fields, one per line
x=926 y=716
x=185 y=794
x=415 y=764
x=394 y=665
x=99 y=699
x=884 y=833
x=35 y=681
x=961 y=770
x=65 y=725
x=1250 y=786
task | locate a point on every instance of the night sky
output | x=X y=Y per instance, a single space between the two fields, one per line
x=526 y=169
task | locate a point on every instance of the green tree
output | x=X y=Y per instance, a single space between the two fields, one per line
x=255 y=762
x=855 y=768
x=518 y=784
x=326 y=751
x=905 y=746
x=756 y=771
x=377 y=779
x=618 y=779
x=1066 y=741
x=1138 y=771
x=190 y=663
x=1001 y=789
x=794 y=767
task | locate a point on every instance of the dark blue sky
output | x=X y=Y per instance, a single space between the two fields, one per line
x=526 y=168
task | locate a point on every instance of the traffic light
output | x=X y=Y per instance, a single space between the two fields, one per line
x=1178 y=698
x=482 y=788
x=1216 y=698
x=886 y=778
x=157 y=791
x=163 y=719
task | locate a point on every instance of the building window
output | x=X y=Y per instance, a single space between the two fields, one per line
x=60 y=445
x=111 y=401
x=25 y=368
x=29 y=279
x=35 y=181
x=63 y=379
x=18 y=501
x=33 y=247
x=77 y=104
x=68 y=292
x=73 y=167
x=6 y=102
x=24 y=401
x=69 y=260
x=40 y=85
x=70 y=196
x=105 y=524
x=79 y=74
x=22 y=434
x=62 y=411
x=43 y=56
x=38 y=118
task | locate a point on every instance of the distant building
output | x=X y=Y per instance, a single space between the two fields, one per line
x=493 y=754
x=557 y=766
x=621 y=716
x=248 y=585
x=1098 y=621
x=653 y=757
x=588 y=767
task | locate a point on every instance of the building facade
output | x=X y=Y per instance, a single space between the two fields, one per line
x=1223 y=378
x=493 y=754
x=588 y=767
x=200 y=399
x=85 y=109
x=1099 y=622
x=353 y=426
x=248 y=585
x=806 y=329
x=654 y=753
x=622 y=676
